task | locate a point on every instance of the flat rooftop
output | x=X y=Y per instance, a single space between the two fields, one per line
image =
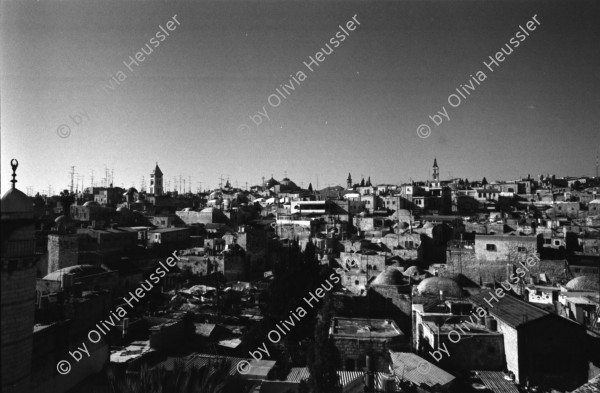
x=467 y=327
x=364 y=328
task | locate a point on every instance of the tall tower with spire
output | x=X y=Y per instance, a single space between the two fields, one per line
x=349 y=181
x=156 y=182
x=436 y=174
x=18 y=262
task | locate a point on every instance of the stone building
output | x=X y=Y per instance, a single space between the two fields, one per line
x=540 y=347
x=367 y=261
x=504 y=248
x=17 y=258
x=156 y=182
x=356 y=338
x=63 y=251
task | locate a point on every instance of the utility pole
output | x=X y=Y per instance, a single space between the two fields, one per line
x=72 y=173
x=597 y=164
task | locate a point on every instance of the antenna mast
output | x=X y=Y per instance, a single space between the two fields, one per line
x=72 y=173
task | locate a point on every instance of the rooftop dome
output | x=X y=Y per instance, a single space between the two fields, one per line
x=412 y=271
x=61 y=219
x=77 y=270
x=15 y=201
x=131 y=191
x=433 y=285
x=272 y=182
x=583 y=284
x=91 y=203
x=390 y=276
x=122 y=209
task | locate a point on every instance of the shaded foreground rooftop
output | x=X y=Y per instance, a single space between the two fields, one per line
x=364 y=328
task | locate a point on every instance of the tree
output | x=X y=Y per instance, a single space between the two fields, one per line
x=362 y=182
x=213 y=378
x=484 y=182
x=66 y=200
x=310 y=189
x=322 y=355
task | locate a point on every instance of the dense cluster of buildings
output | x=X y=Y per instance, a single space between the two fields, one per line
x=444 y=285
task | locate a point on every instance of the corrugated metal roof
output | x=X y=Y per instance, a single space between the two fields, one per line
x=494 y=380
x=298 y=374
x=346 y=378
x=508 y=309
x=592 y=386
x=201 y=360
x=419 y=371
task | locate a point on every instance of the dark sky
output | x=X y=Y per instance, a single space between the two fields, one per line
x=357 y=112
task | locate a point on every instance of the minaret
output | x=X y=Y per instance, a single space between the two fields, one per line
x=18 y=269
x=156 y=181
x=436 y=174
x=349 y=182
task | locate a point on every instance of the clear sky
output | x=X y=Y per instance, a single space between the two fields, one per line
x=357 y=112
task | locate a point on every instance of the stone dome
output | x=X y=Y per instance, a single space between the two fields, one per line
x=272 y=182
x=77 y=271
x=390 y=276
x=403 y=225
x=583 y=284
x=123 y=209
x=61 y=219
x=433 y=285
x=412 y=271
x=288 y=183
x=15 y=201
x=131 y=191
x=91 y=203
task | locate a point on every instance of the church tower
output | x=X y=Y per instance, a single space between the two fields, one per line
x=349 y=182
x=436 y=174
x=18 y=269
x=156 y=182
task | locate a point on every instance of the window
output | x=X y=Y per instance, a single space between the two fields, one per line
x=548 y=241
x=350 y=364
x=362 y=363
x=490 y=247
x=557 y=242
x=356 y=282
x=521 y=249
